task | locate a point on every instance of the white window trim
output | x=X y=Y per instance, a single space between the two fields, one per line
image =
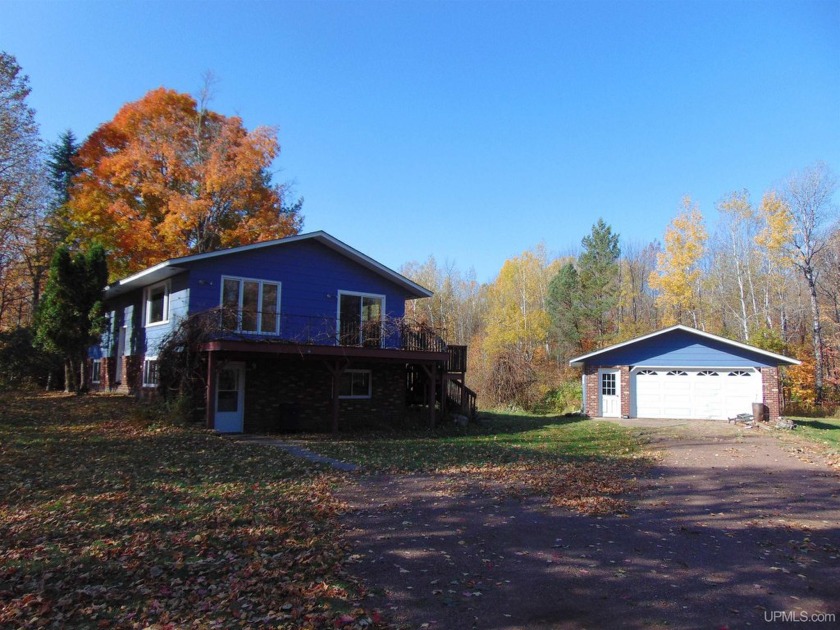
x=167 y=285
x=261 y=282
x=146 y=360
x=364 y=295
x=92 y=372
x=369 y=394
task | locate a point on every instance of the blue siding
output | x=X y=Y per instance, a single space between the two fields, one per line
x=179 y=293
x=311 y=275
x=681 y=348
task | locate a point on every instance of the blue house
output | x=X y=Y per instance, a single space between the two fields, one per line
x=681 y=372
x=305 y=332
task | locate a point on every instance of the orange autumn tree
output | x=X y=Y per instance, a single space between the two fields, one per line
x=167 y=177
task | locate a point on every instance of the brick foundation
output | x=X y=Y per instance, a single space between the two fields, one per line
x=132 y=382
x=295 y=395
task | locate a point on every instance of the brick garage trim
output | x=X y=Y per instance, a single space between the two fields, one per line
x=592 y=394
x=771 y=389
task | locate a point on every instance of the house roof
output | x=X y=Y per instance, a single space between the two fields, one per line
x=583 y=359
x=174 y=266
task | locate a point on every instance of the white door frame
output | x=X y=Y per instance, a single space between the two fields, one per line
x=231 y=421
x=609 y=405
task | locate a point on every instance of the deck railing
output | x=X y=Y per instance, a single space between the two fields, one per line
x=397 y=333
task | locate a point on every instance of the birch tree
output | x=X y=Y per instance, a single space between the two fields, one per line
x=808 y=197
x=677 y=274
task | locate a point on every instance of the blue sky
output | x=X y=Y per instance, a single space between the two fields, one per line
x=469 y=130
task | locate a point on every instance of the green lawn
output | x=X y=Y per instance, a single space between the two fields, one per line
x=823 y=431
x=109 y=520
x=499 y=439
x=582 y=464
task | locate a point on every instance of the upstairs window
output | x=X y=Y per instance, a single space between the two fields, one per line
x=157 y=304
x=360 y=319
x=251 y=306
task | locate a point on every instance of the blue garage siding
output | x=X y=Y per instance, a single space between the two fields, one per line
x=681 y=348
x=311 y=275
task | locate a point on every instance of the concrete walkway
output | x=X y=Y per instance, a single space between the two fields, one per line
x=293 y=449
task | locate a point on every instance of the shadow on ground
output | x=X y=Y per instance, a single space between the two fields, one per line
x=728 y=530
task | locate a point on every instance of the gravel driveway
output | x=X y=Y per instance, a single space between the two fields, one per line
x=731 y=529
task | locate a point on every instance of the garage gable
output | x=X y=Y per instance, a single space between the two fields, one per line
x=681 y=346
x=681 y=372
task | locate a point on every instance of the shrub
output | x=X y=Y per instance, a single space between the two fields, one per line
x=22 y=363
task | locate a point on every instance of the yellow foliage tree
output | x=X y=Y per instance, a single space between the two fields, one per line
x=677 y=272
x=517 y=316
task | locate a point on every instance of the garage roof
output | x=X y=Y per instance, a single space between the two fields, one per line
x=774 y=358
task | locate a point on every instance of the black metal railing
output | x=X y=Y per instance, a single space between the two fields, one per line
x=397 y=333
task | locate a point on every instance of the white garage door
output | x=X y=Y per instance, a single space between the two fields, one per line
x=692 y=393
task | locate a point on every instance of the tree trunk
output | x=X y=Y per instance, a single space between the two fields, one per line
x=83 y=375
x=69 y=376
x=816 y=331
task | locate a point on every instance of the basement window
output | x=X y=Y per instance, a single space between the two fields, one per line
x=355 y=384
x=150 y=373
x=96 y=371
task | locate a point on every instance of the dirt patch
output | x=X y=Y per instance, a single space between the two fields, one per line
x=727 y=529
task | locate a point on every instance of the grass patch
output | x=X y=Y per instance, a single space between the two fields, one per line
x=824 y=432
x=500 y=438
x=109 y=520
x=578 y=463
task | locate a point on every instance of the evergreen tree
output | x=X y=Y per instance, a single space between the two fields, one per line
x=598 y=273
x=61 y=167
x=70 y=317
x=563 y=303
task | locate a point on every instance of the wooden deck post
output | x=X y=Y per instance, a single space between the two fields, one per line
x=431 y=385
x=336 y=370
x=210 y=402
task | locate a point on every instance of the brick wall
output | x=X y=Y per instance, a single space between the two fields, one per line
x=593 y=401
x=625 y=390
x=295 y=395
x=772 y=392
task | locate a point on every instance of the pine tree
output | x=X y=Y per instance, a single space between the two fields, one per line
x=61 y=167
x=563 y=304
x=599 y=286
x=70 y=317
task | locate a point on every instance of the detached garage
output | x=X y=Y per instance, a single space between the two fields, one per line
x=681 y=372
